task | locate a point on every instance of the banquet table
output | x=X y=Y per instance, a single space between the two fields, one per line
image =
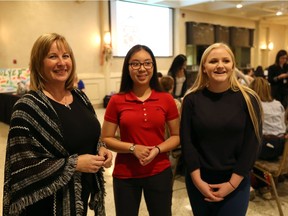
x=7 y=101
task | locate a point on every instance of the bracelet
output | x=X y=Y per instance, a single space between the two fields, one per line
x=101 y=144
x=158 y=149
x=232 y=185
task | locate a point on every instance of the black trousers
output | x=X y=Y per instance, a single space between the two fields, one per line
x=157 y=191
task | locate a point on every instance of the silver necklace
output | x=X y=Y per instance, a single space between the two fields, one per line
x=66 y=104
x=61 y=102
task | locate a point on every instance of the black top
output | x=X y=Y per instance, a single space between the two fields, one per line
x=274 y=71
x=279 y=87
x=81 y=127
x=81 y=133
x=217 y=132
x=59 y=135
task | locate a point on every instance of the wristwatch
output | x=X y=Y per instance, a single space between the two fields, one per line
x=132 y=148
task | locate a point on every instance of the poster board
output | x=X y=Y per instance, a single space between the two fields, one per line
x=10 y=77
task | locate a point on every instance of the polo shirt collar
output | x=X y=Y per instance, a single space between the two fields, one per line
x=130 y=96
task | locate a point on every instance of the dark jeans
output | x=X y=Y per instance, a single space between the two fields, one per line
x=157 y=193
x=235 y=204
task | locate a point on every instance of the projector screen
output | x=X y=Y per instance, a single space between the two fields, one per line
x=134 y=23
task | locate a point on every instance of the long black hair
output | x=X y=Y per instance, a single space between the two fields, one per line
x=279 y=54
x=176 y=65
x=126 y=81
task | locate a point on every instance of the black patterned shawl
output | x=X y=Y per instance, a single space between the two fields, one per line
x=37 y=165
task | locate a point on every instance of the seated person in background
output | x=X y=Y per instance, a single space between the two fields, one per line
x=274 y=112
x=159 y=75
x=167 y=84
x=79 y=84
x=259 y=72
x=249 y=74
x=274 y=127
x=241 y=77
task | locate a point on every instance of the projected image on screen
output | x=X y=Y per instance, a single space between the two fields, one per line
x=134 y=23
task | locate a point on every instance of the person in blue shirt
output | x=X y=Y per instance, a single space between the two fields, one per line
x=79 y=84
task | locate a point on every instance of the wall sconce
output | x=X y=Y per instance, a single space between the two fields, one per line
x=270 y=46
x=107 y=48
x=107 y=38
x=263 y=46
x=279 y=13
x=239 y=5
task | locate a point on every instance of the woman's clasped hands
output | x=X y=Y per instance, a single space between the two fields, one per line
x=215 y=192
x=145 y=154
x=89 y=163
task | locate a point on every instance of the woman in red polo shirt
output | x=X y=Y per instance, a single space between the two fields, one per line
x=141 y=110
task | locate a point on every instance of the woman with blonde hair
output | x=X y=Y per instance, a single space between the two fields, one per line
x=220 y=135
x=273 y=110
x=274 y=129
x=54 y=157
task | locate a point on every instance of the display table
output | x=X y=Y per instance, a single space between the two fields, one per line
x=7 y=101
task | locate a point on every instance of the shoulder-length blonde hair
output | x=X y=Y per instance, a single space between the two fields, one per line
x=202 y=81
x=39 y=51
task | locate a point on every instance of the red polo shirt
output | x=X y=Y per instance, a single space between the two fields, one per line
x=141 y=123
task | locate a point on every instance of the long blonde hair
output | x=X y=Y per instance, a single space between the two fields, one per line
x=202 y=81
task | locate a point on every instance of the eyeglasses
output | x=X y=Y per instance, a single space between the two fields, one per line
x=137 y=65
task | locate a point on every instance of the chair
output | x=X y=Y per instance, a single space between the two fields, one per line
x=174 y=157
x=272 y=170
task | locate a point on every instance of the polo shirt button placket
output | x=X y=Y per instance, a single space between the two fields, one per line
x=145 y=117
x=145 y=114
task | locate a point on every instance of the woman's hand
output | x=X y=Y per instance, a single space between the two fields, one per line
x=143 y=154
x=153 y=152
x=90 y=163
x=282 y=76
x=220 y=190
x=206 y=190
x=107 y=155
x=223 y=189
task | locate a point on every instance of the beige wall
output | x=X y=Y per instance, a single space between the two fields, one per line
x=23 y=21
x=83 y=24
